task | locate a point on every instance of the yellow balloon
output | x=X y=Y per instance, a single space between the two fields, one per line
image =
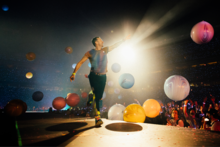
x=151 y=108
x=134 y=113
x=29 y=75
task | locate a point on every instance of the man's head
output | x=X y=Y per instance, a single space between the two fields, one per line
x=97 y=42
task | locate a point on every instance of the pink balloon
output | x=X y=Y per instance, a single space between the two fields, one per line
x=202 y=32
x=72 y=99
x=59 y=103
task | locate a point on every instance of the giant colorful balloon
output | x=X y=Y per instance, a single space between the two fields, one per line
x=14 y=108
x=29 y=75
x=116 y=112
x=68 y=50
x=176 y=87
x=126 y=80
x=116 y=67
x=30 y=56
x=72 y=99
x=202 y=32
x=151 y=108
x=59 y=103
x=134 y=113
x=37 y=96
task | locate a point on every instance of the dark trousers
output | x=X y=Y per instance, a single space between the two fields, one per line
x=97 y=83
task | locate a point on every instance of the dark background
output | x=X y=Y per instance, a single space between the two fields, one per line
x=48 y=27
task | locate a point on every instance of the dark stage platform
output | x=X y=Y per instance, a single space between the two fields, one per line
x=43 y=129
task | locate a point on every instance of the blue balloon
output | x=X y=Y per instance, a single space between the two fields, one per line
x=89 y=64
x=74 y=65
x=116 y=67
x=119 y=97
x=5 y=8
x=126 y=80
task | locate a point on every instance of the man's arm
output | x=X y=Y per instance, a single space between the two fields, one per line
x=118 y=44
x=115 y=45
x=84 y=58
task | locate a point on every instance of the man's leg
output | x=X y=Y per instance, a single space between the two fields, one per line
x=98 y=85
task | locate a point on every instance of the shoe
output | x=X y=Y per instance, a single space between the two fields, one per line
x=89 y=100
x=98 y=121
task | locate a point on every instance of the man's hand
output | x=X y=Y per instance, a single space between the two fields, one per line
x=72 y=78
x=86 y=75
x=127 y=37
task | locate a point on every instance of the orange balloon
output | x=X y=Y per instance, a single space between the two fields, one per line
x=151 y=108
x=30 y=56
x=68 y=50
x=202 y=32
x=14 y=108
x=59 y=103
x=29 y=75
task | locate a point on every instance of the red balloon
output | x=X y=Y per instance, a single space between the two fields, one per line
x=72 y=99
x=14 y=108
x=84 y=95
x=59 y=103
x=202 y=32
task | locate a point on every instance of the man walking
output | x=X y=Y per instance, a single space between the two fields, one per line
x=97 y=76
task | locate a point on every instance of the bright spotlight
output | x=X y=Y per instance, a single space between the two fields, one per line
x=128 y=53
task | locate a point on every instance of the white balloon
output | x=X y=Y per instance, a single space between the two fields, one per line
x=176 y=87
x=116 y=112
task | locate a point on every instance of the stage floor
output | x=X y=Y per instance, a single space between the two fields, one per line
x=81 y=132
